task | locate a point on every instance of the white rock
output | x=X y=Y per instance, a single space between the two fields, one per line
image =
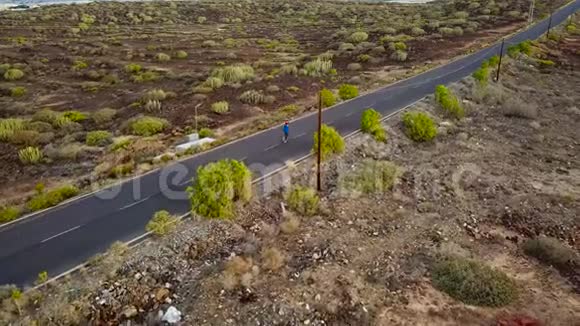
x=172 y=315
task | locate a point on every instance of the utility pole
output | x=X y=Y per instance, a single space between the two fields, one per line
x=196 y=130
x=318 y=185
x=549 y=26
x=500 y=57
x=531 y=12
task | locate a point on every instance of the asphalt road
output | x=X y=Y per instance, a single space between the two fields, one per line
x=67 y=235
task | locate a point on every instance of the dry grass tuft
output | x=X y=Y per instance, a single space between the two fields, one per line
x=239 y=271
x=516 y=107
x=272 y=259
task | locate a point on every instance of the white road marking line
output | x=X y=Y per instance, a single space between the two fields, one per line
x=298 y=136
x=135 y=203
x=269 y=148
x=351 y=113
x=184 y=182
x=58 y=235
x=243 y=158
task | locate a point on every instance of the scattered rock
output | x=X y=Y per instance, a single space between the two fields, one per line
x=172 y=315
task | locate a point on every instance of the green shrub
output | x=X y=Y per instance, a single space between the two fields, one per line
x=482 y=73
x=133 y=68
x=289 y=110
x=473 y=283
x=217 y=186
x=205 y=133
x=332 y=142
x=121 y=170
x=213 y=83
x=162 y=223
x=358 y=37
x=8 y=214
x=449 y=102
x=446 y=31
x=146 y=76
x=524 y=47
x=398 y=46
x=220 y=107
x=99 y=138
x=252 y=97
x=371 y=124
x=51 y=198
x=103 y=116
x=148 y=126
x=399 y=55
x=493 y=61
x=552 y=252
x=545 y=63
x=417 y=31
x=317 y=68
x=347 y=91
x=419 y=126
x=328 y=98
x=42 y=277
x=9 y=126
x=181 y=54
x=30 y=155
x=289 y=69
x=363 y=57
x=370 y=177
x=234 y=74
x=74 y=116
x=13 y=74
x=65 y=123
x=201 y=19
x=303 y=200
x=79 y=65
x=162 y=57
x=154 y=95
x=17 y=91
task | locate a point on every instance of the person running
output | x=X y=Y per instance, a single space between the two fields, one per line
x=286 y=130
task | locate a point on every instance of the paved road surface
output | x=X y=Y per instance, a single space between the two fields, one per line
x=65 y=236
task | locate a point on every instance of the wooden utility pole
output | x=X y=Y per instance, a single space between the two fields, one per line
x=500 y=57
x=531 y=12
x=196 y=130
x=318 y=158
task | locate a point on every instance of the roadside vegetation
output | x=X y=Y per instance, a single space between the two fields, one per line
x=332 y=142
x=218 y=186
x=371 y=124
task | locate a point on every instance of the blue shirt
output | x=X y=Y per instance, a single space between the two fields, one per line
x=286 y=128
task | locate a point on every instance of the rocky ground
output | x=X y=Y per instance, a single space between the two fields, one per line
x=508 y=172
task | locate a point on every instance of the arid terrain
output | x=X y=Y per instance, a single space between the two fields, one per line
x=95 y=92
x=478 y=226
